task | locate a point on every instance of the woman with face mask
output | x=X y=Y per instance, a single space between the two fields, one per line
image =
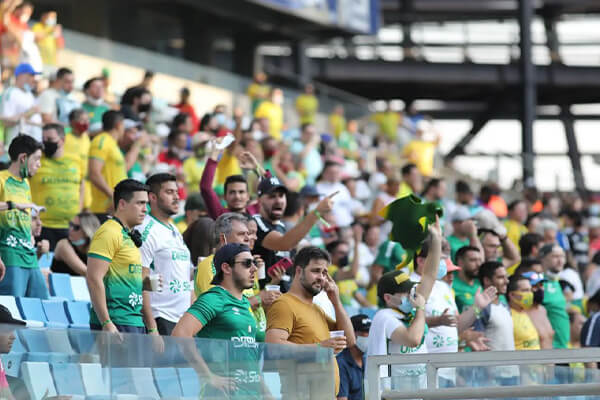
x=70 y=255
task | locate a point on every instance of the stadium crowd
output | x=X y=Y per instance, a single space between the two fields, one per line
x=237 y=225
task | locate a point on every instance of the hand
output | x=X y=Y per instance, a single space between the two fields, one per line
x=111 y=328
x=147 y=284
x=260 y=263
x=483 y=299
x=248 y=161
x=276 y=274
x=23 y=206
x=268 y=297
x=337 y=344
x=2 y=269
x=332 y=290
x=158 y=343
x=357 y=231
x=143 y=139
x=214 y=153
x=238 y=113
x=475 y=340
x=470 y=227
x=43 y=246
x=447 y=319
x=326 y=204
x=226 y=385
x=418 y=301
x=435 y=230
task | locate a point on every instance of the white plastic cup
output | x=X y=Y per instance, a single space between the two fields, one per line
x=272 y=288
x=156 y=283
x=333 y=334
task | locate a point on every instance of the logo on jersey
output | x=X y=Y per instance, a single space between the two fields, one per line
x=244 y=341
x=135 y=299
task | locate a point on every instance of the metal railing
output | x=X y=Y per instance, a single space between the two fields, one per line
x=436 y=361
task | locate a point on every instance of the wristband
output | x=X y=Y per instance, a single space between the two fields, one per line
x=108 y=321
x=318 y=344
x=420 y=308
x=152 y=330
x=10 y=205
x=259 y=299
x=320 y=218
x=477 y=311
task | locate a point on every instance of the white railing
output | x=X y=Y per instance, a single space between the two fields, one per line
x=436 y=361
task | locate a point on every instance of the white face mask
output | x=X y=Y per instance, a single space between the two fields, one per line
x=362 y=343
x=51 y=22
x=257 y=135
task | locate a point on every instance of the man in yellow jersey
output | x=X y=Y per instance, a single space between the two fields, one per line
x=271 y=114
x=115 y=275
x=77 y=143
x=19 y=272
x=57 y=185
x=307 y=105
x=106 y=162
x=258 y=91
x=337 y=122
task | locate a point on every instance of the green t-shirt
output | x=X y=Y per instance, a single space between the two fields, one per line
x=464 y=293
x=455 y=244
x=389 y=254
x=95 y=113
x=223 y=316
x=556 y=307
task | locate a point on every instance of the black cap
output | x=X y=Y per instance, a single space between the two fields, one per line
x=7 y=318
x=224 y=255
x=309 y=191
x=195 y=202
x=361 y=323
x=270 y=184
x=394 y=282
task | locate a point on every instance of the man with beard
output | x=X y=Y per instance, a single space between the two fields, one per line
x=465 y=284
x=273 y=241
x=293 y=318
x=164 y=252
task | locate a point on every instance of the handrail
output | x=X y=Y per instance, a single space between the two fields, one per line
x=435 y=361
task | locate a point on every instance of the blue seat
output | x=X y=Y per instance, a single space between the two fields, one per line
x=38 y=346
x=12 y=363
x=78 y=313
x=80 y=289
x=351 y=311
x=38 y=379
x=133 y=381
x=167 y=382
x=31 y=309
x=45 y=260
x=190 y=385
x=368 y=311
x=273 y=383
x=67 y=379
x=60 y=285
x=55 y=312
x=93 y=380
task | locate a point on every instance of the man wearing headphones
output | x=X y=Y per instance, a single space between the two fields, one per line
x=115 y=274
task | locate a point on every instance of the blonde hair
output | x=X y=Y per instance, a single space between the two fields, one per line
x=89 y=224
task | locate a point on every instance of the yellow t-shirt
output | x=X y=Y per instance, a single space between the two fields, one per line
x=421 y=153
x=347 y=287
x=105 y=148
x=123 y=280
x=526 y=336
x=514 y=231
x=388 y=123
x=193 y=169
x=307 y=106
x=57 y=186
x=305 y=323
x=80 y=146
x=227 y=166
x=274 y=114
x=47 y=45
x=338 y=124
x=404 y=190
x=205 y=274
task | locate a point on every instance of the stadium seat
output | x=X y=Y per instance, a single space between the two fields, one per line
x=93 y=380
x=273 y=383
x=38 y=346
x=351 y=311
x=80 y=289
x=133 y=381
x=167 y=382
x=12 y=363
x=45 y=260
x=78 y=313
x=190 y=385
x=38 y=379
x=10 y=303
x=67 y=379
x=55 y=312
x=58 y=340
x=31 y=309
x=60 y=285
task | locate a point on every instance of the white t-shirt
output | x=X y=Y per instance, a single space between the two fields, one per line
x=343 y=204
x=165 y=253
x=572 y=276
x=57 y=104
x=16 y=101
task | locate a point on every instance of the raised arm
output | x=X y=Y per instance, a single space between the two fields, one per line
x=213 y=205
x=432 y=261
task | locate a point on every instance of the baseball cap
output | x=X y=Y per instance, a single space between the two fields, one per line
x=129 y=123
x=534 y=277
x=200 y=138
x=394 y=282
x=195 y=202
x=7 y=318
x=25 y=68
x=224 y=255
x=361 y=323
x=460 y=214
x=270 y=184
x=309 y=191
x=545 y=250
x=450 y=266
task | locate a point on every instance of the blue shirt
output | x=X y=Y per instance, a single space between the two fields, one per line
x=351 y=376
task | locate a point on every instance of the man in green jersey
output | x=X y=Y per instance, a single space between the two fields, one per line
x=223 y=312
x=465 y=283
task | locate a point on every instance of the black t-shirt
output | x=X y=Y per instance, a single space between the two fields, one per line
x=270 y=257
x=62 y=267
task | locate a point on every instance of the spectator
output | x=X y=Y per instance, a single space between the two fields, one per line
x=529 y=245
x=70 y=254
x=94 y=103
x=106 y=163
x=49 y=39
x=412 y=181
x=577 y=320
x=136 y=105
x=388 y=123
x=58 y=185
x=194 y=208
x=57 y=102
x=164 y=253
x=465 y=197
x=19 y=271
x=307 y=105
x=198 y=237
x=577 y=234
x=282 y=164
x=133 y=91
x=590 y=333
x=464 y=231
x=537 y=312
x=337 y=122
x=270 y=113
x=352 y=360
x=18 y=26
x=491 y=243
x=293 y=318
x=552 y=259
x=520 y=299
x=306 y=151
x=193 y=166
x=186 y=107
x=113 y=255
x=131 y=144
x=77 y=144
x=517 y=216
x=384 y=198
x=330 y=185
x=224 y=313
x=466 y=284
x=258 y=91
x=20 y=114
x=400 y=327
x=421 y=150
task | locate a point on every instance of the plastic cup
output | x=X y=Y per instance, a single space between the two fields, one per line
x=333 y=334
x=272 y=288
x=156 y=283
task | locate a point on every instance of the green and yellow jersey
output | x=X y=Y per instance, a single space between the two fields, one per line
x=79 y=146
x=105 y=148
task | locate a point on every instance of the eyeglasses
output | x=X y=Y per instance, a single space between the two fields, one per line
x=74 y=226
x=248 y=263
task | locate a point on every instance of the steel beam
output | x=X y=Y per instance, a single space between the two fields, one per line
x=478 y=124
x=528 y=87
x=574 y=155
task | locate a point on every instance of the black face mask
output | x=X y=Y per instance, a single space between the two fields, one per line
x=144 y=107
x=538 y=296
x=344 y=261
x=50 y=148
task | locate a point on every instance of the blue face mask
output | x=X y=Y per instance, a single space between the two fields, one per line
x=27 y=88
x=79 y=242
x=442 y=269
x=405 y=306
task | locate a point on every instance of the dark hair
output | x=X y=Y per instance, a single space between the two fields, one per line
x=435 y=182
x=488 y=269
x=481 y=232
x=76 y=113
x=576 y=217
x=307 y=254
x=462 y=187
x=407 y=169
x=57 y=127
x=89 y=82
x=174 y=135
x=179 y=119
x=62 y=72
x=425 y=247
x=234 y=179
x=184 y=91
x=532 y=216
x=304 y=126
x=148 y=74
x=513 y=204
x=110 y=119
x=199 y=238
x=513 y=282
x=334 y=245
x=23 y=144
x=293 y=204
x=155 y=181
x=528 y=241
x=125 y=190
x=526 y=265
x=460 y=253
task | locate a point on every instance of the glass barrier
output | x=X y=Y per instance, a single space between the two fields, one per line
x=42 y=363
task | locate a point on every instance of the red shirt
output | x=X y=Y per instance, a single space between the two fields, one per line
x=189 y=110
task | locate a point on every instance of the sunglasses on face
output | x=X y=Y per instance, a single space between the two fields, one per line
x=74 y=226
x=247 y=263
